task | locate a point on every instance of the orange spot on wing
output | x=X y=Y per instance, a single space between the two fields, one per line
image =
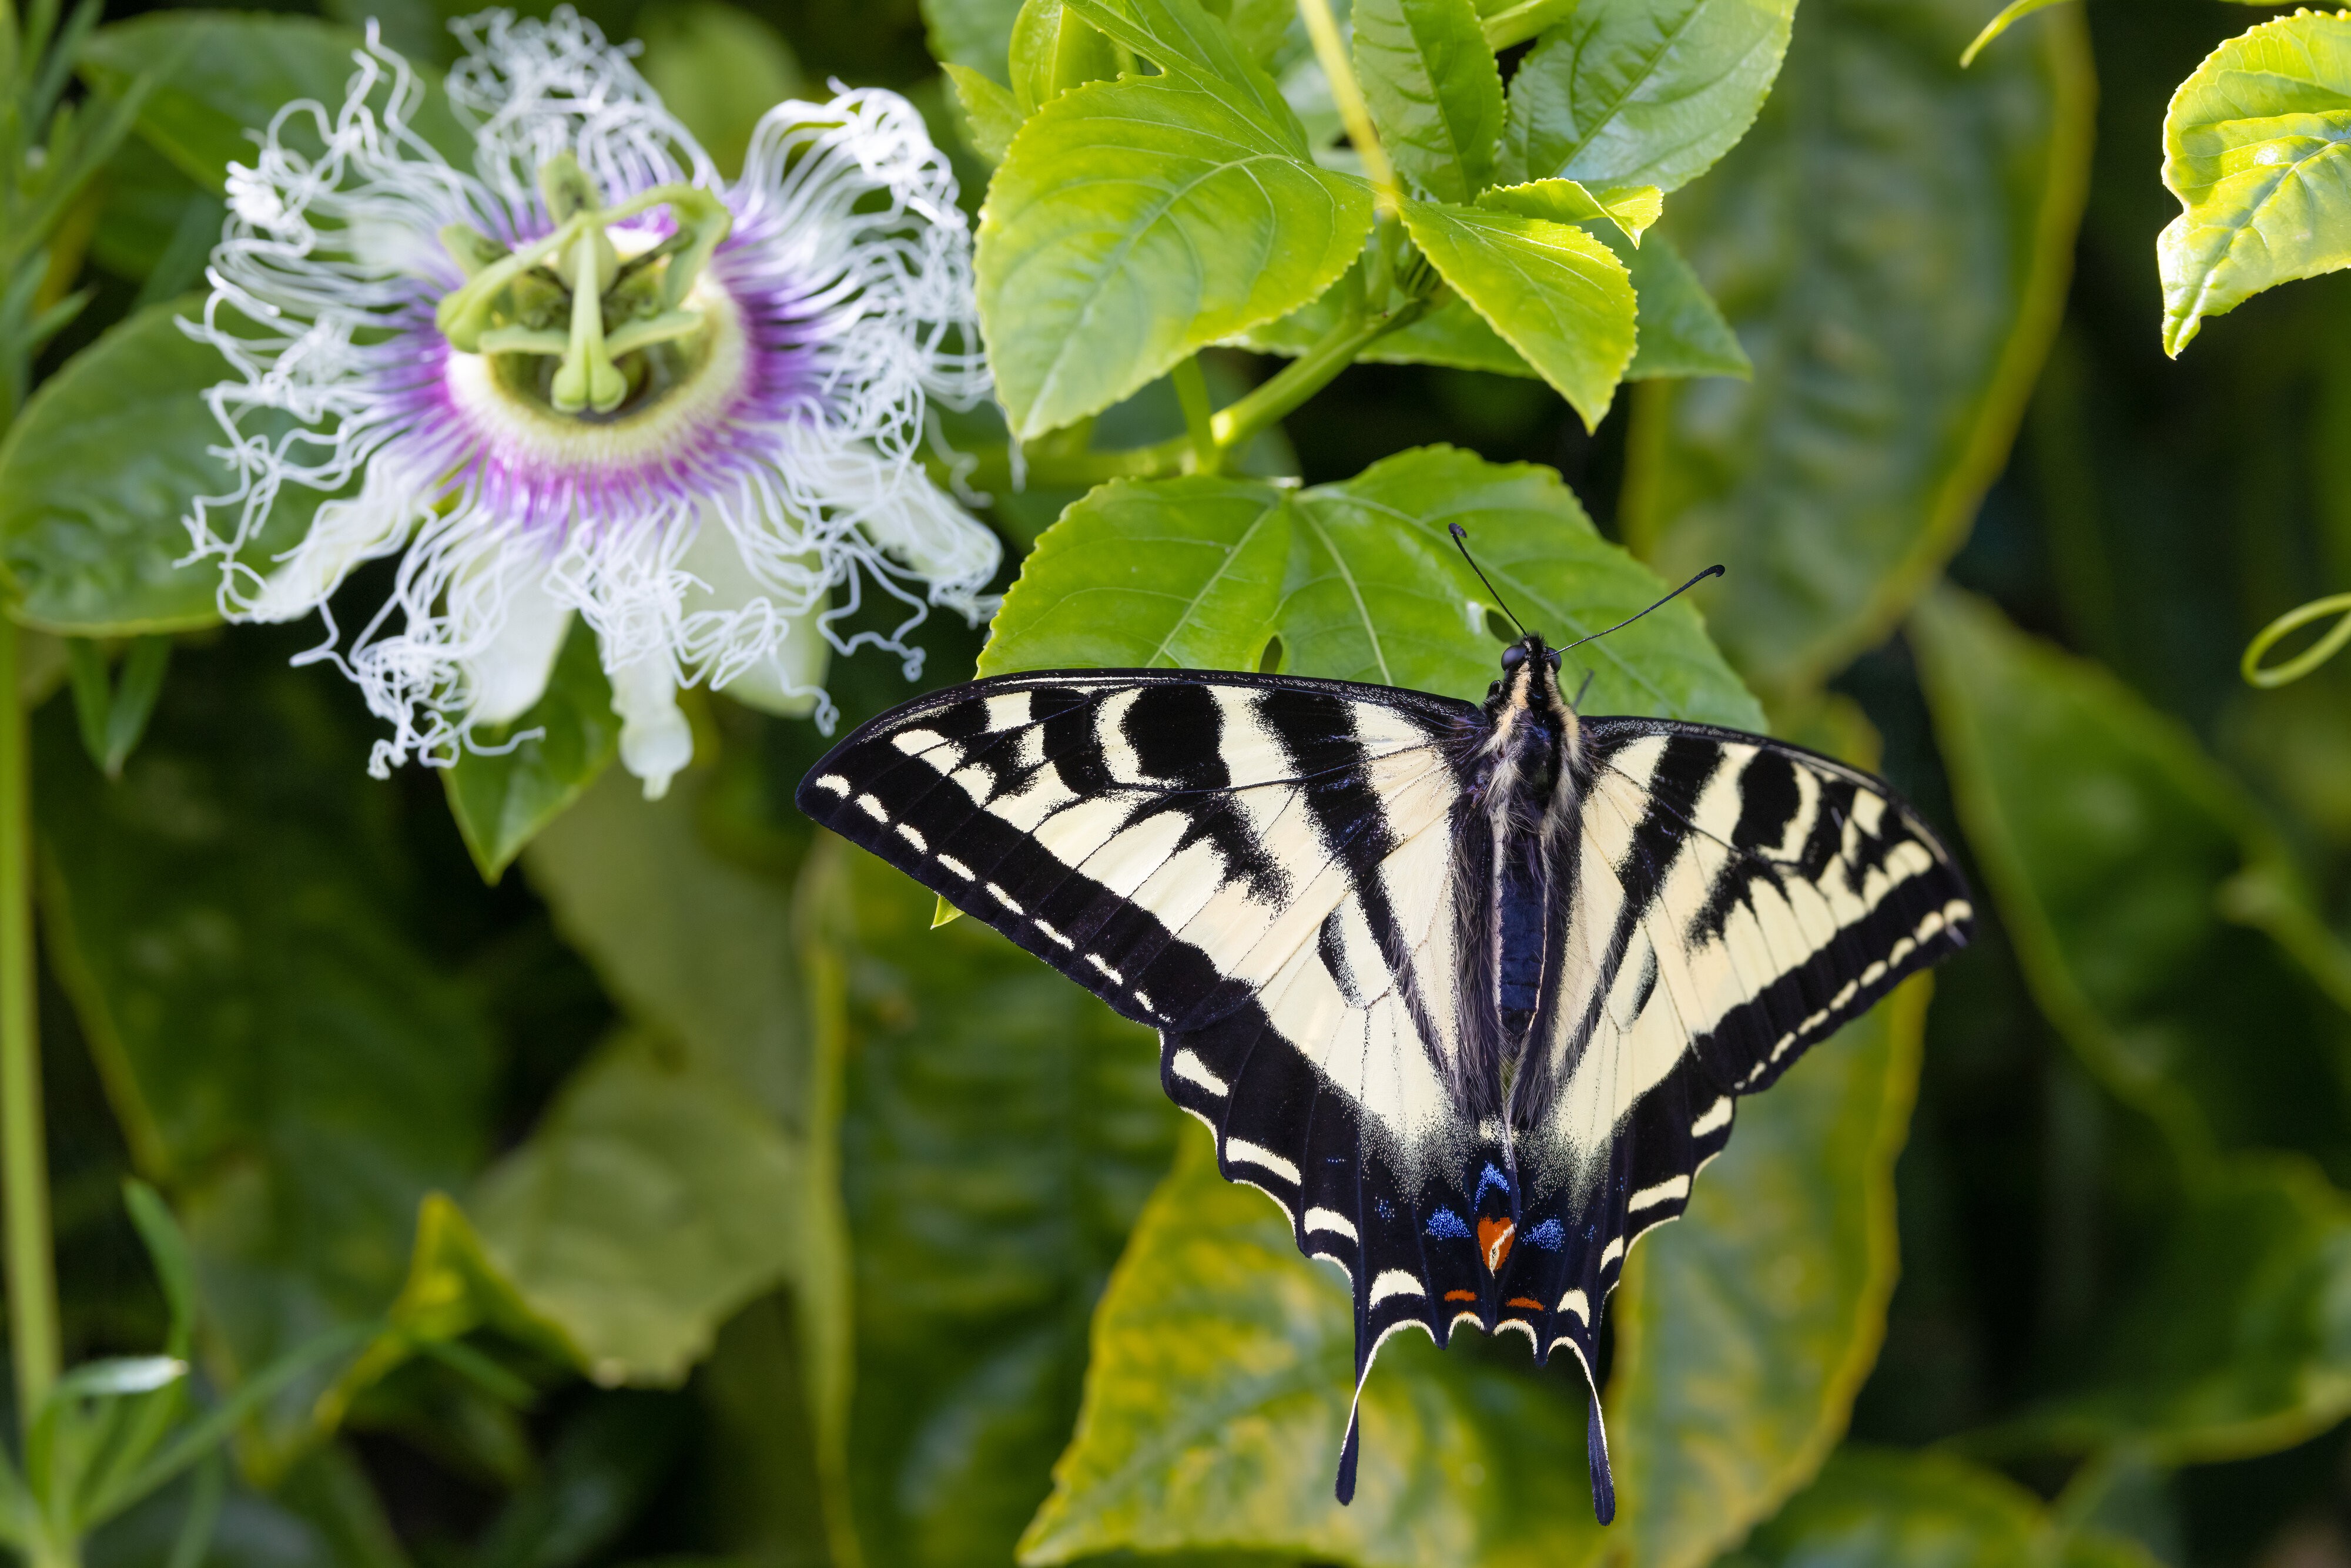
x=1523 y=1302
x=1460 y=1295
x=1494 y=1239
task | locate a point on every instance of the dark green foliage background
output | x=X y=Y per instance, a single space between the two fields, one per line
x=288 y=996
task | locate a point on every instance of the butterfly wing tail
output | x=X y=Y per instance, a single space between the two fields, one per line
x=1595 y=1449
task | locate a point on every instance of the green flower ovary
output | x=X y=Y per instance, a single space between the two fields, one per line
x=571 y=297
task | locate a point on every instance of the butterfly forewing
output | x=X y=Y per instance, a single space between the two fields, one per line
x=1295 y=883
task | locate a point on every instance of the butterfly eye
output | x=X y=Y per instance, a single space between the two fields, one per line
x=1513 y=656
x=1554 y=659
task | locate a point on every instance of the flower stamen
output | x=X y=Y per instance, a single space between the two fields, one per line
x=510 y=300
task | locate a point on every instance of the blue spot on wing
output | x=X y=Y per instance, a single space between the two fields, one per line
x=1446 y=1223
x=1551 y=1236
x=1488 y=1177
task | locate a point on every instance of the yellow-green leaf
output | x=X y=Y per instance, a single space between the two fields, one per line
x=1131 y=223
x=1553 y=293
x=1630 y=208
x=2257 y=147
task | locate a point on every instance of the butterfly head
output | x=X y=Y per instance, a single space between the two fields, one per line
x=1530 y=677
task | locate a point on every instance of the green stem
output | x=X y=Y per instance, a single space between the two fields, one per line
x=23 y=1159
x=1310 y=372
x=1230 y=429
x=1199 y=415
x=1347 y=97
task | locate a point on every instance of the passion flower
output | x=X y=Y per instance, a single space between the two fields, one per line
x=588 y=377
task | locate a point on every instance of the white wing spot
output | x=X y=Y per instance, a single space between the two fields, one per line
x=1394 y=1282
x=913 y=838
x=1717 y=1115
x=834 y=782
x=873 y=808
x=911 y=741
x=1096 y=960
x=1615 y=1249
x=1053 y=933
x=1005 y=899
x=955 y=866
x=1664 y=1192
x=1249 y=1154
x=1189 y=1067
x=1332 y=1220
x=1576 y=1302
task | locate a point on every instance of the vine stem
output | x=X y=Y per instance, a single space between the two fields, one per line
x=1347 y=95
x=24 y=1156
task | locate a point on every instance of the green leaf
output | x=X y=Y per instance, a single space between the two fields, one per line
x=1377 y=591
x=452 y=1287
x=2235 y=1345
x=1682 y=329
x=236 y=923
x=167 y=1249
x=1449 y=334
x=1182 y=39
x=1133 y=222
x=113 y=716
x=2010 y=14
x=1924 y=1510
x=718 y=69
x=1679 y=330
x=222 y=74
x=644 y=1210
x=1744 y=1331
x=701 y=950
x=1643 y=92
x=696 y=947
x=1892 y=243
x=1177 y=573
x=98 y=472
x=503 y=798
x=2257 y=147
x=1509 y=23
x=1001 y=1132
x=1433 y=91
x=1555 y=294
x=1181 y=573
x=1629 y=209
x=1054 y=50
x=147 y=204
x=1217 y=1393
x=2109 y=841
x=990 y=117
x=974 y=34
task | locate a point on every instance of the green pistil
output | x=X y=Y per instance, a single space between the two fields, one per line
x=569 y=297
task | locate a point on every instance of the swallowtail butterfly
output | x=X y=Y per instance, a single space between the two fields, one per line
x=1471 y=992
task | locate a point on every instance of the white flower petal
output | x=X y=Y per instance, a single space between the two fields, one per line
x=656 y=743
x=768 y=655
x=508 y=673
x=343 y=534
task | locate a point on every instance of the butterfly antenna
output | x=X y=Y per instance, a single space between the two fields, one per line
x=1660 y=604
x=1461 y=542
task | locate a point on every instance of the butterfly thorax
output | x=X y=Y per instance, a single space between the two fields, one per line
x=1529 y=766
